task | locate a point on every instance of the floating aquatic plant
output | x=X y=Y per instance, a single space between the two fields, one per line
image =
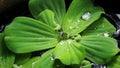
x=70 y=36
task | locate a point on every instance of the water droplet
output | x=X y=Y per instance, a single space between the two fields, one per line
x=33 y=64
x=52 y=57
x=77 y=27
x=99 y=34
x=0 y=57
x=1 y=27
x=86 y=16
x=118 y=15
x=78 y=21
x=60 y=33
x=67 y=49
x=62 y=42
x=71 y=27
x=106 y=34
x=49 y=43
x=95 y=28
x=103 y=25
x=104 y=66
x=17 y=66
x=58 y=65
x=69 y=42
x=117 y=33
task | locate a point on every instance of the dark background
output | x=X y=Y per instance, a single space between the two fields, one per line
x=9 y=10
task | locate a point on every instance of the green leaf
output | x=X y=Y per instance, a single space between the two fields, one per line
x=45 y=61
x=83 y=64
x=115 y=63
x=25 y=35
x=47 y=16
x=99 y=49
x=22 y=58
x=57 y=6
x=69 y=52
x=86 y=64
x=100 y=27
x=31 y=63
x=80 y=15
x=6 y=57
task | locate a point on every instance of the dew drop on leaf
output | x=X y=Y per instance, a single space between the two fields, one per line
x=61 y=43
x=33 y=64
x=58 y=65
x=106 y=34
x=71 y=27
x=78 y=21
x=86 y=16
x=49 y=43
x=69 y=42
x=99 y=34
x=52 y=58
x=95 y=28
x=67 y=49
x=77 y=27
x=117 y=33
x=103 y=25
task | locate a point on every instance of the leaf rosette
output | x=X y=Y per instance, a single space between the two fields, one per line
x=74 y=34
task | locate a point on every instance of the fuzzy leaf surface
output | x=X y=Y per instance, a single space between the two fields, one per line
x=57 y=6
x=25 y=35
x=73 y=21
x=69 y=52
x=6 y=57
x=99 y=49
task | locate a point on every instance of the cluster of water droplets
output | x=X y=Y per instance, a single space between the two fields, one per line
x=106 y=34
x=86 y=16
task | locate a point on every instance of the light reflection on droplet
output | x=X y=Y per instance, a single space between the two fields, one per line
x=103 y=25
x=77 y=27
x=69 y=42
x=78 y=21
x=99 y=34
x=71 y=27
x=95 y=28
x=86 y=16
x=62 y=42
x=52 y=58
x=106 y=34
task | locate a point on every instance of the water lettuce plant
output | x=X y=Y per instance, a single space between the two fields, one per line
x=70 y=36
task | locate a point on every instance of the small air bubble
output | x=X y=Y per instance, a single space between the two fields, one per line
x=106 y=34
x=86 y=16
